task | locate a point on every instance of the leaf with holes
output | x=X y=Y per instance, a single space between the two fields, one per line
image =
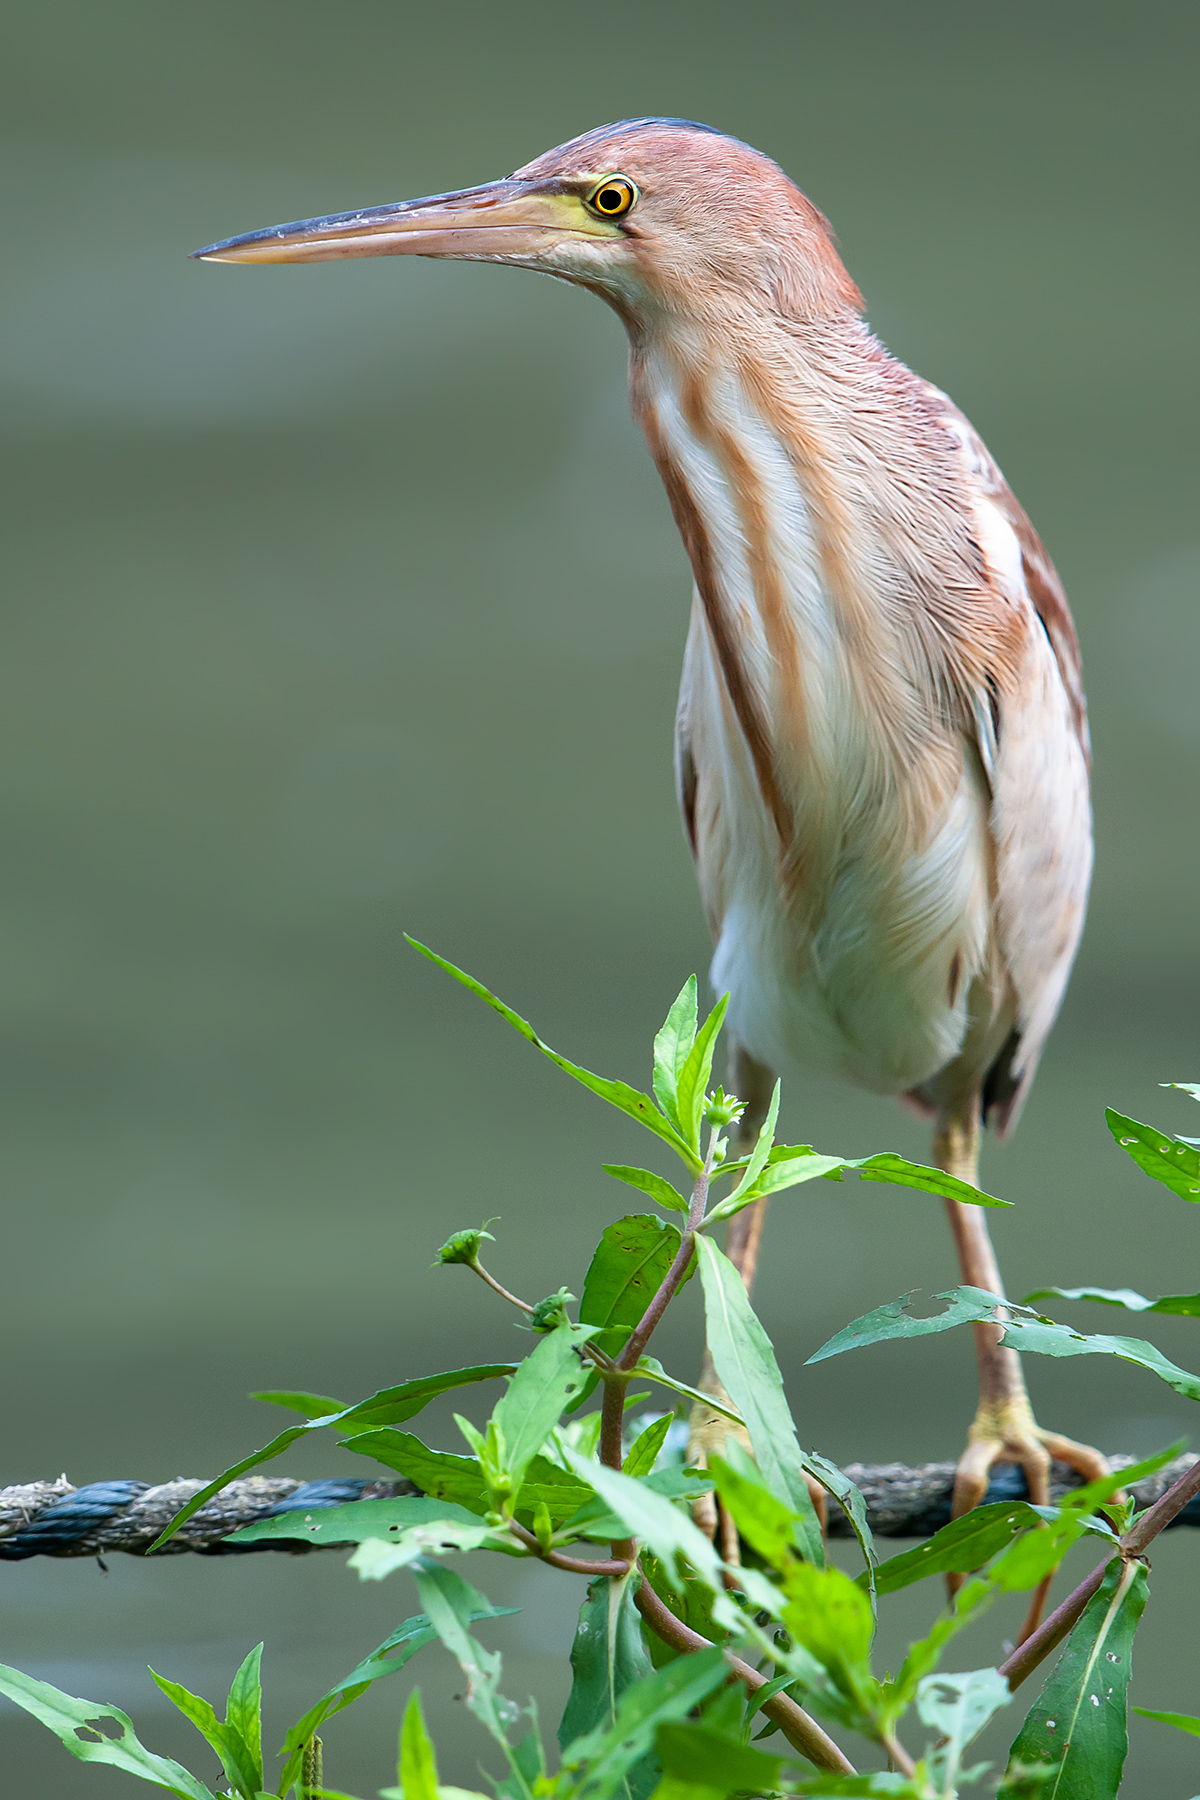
x=1075 y=1729
x=355 y=1521
x=630 y=1265
x=1175 y=1164
x=69 y=1719
x=391 y=1406
x=452 y=1604
x=1024 y=1330
x=957 y=1707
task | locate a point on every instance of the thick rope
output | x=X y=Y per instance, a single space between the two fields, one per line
x=53 y=1518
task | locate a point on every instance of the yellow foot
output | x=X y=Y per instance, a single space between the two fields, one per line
x=1006 y=1431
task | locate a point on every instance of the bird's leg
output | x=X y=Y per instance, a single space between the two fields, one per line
x=752 y=1082
x=1004 y=1429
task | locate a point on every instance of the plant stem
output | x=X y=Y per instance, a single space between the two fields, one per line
x=613 y=1409
x=1025 y=1659
x=643 y=1330
x=1051 y=1632
x=1168 y=1507
x=497 y=1288
x=800 y=1730
x=897 y=1754
x=575 y=1565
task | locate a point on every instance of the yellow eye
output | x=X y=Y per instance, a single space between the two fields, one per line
x=613 y=197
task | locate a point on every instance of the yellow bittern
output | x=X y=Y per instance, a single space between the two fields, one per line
x=881 y=747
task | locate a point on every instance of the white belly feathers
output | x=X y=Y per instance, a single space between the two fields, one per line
x=856 y=948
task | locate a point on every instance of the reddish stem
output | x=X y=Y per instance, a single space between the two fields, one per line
x=801 y=1731
x=1025 y=1659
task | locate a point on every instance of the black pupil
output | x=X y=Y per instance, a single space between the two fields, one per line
x=611 y=199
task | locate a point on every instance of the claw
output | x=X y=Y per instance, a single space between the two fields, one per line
x=1009 y=1433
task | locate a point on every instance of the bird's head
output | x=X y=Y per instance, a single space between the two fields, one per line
x=660 y=216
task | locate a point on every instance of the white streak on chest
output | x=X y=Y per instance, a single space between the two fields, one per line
x=866 y=967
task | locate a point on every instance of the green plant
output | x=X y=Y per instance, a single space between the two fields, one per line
x=684 y=1661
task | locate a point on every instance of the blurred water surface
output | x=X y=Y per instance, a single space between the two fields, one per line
x=343 y=600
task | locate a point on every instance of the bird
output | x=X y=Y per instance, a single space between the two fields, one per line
x=881 y=747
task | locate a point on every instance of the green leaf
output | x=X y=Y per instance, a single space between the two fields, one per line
x=355 y=1521
x=767 y=1524
x=458 y=1479
x=1181 y=1721
x=604 y=1758
x=757 y=1161
x=631 y=1262
x=451 y=1605
x=311 y=1406
x=745 y=1363
x=887 y=1166
x=958 y=1707
x=829 y=1616
x=878 y=1786
x=1176 y=1164
x=237 y=1759
x=894 y=1321
x=1076 y=1726
x=652 y=1369
x=647 y=1182
x=617 y=1093
x=972 y=1599
x=671 y=1048
x=1024 y=1330
x=607 y=1656
x=774 y=1179
x=418 y=1763
x=376 y=1558
x=648 y=1516
x=705 y=1758
x=243 y=1712
x=391 y=1406
x=647 y=1446
x=596 y=1520
x=963 y=1545
x=694 y=1075
x=391 y=1656
x=527 y=1760
x=1184 y=1305
x=69 y=1719
x=537 y=1394
x=692 y=1603
x=850 y=1499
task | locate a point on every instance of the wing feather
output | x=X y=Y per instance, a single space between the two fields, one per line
x=1032 y=736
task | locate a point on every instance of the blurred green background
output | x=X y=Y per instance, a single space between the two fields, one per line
x=312 y=638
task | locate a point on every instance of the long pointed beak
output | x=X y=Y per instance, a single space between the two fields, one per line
x=506 y=220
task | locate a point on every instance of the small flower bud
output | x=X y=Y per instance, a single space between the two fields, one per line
x=551 y=1312
x=722 y=1109
x=463 y=1247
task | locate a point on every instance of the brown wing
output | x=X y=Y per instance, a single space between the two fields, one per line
x=1042 y=584
x=1041 y=809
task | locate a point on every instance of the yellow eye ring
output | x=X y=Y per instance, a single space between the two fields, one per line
x=612 y=197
